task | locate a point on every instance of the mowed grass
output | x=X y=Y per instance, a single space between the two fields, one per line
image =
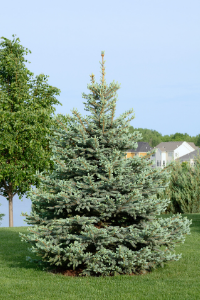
x=22 y=280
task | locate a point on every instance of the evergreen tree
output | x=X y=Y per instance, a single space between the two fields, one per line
x=96 y=212
x=184 y=188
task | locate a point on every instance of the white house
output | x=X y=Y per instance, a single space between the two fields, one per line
x=168 y=151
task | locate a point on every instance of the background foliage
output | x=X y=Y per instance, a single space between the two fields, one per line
x=154 y=138
x=184 y=188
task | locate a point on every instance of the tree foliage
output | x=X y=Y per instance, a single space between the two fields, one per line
x=25 y=115
x=97 y=212
x=154 y=138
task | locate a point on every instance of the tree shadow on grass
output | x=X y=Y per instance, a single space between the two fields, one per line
x=13 y=251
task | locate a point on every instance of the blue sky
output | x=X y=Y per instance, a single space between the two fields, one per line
x=152 y=48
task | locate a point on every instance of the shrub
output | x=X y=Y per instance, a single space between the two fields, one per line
x=184 y=188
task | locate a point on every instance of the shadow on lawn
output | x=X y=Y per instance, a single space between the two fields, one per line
x=13 y=251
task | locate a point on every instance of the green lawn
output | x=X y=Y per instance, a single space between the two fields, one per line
x=21 y=280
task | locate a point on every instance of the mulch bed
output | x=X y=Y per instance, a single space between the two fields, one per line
x=75 y=273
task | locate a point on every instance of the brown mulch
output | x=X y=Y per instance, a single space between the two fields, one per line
x=75 y=273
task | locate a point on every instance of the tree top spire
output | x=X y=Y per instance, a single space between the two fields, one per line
x=103 y=68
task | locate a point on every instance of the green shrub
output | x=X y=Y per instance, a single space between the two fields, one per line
x=184 y=188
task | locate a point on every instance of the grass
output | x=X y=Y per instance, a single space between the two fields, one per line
x=22 y=280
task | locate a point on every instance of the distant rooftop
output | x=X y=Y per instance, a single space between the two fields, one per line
x=170 y=146
x=142 y=147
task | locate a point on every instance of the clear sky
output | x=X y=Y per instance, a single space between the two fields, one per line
x=151 y=47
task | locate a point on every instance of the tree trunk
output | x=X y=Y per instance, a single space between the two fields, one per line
x=9 y=191
x=10 y=194
x=11 y=211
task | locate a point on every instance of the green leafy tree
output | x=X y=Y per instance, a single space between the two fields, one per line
x=25 y=115
x=96 y=213
x=197 y=140
x=179 y=137
x=152 y=137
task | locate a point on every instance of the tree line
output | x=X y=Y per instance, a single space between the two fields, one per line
x=154 y=138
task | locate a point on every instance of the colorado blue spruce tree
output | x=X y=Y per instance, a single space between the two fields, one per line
x=96 y=213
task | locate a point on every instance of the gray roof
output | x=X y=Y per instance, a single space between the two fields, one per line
x=190 y=155
x=142 y=147
x=170 y=146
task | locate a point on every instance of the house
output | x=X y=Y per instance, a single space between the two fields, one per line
x=141 y=150
x=169 y=151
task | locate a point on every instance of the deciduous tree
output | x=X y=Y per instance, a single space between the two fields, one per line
x=25 y=115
